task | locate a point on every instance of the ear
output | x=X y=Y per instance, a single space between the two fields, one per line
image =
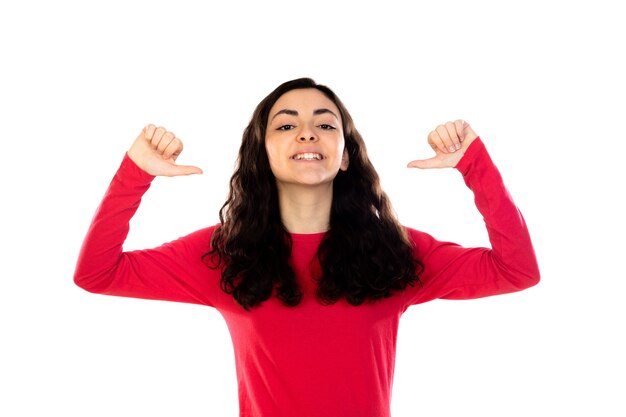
x=345 y=161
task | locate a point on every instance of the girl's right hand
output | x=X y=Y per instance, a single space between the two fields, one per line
x=155 y=151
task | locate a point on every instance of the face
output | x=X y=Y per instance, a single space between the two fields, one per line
x=304 y=139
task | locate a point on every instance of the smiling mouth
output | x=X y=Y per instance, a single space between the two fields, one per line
x=307 y=156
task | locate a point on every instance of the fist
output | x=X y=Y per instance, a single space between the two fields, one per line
x=449 y=141
x=155 y=151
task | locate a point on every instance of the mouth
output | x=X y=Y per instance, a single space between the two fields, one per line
x=308 y=156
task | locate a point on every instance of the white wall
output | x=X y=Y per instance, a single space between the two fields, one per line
x=541 y=82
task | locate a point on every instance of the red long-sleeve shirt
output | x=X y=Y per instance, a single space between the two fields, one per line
x=310 y=360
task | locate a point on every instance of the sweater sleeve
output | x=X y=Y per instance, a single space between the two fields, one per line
x=171 y=272
x=454 y=272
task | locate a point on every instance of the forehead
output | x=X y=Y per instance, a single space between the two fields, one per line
x=304 y=101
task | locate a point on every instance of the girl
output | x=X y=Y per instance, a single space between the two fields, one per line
x=308 y=265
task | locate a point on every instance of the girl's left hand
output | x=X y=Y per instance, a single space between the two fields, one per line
x=449 y=141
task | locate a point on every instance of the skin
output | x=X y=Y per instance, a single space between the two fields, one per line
x=305 y=121
x=155 y=151
x=449 y=141
x=302 y=120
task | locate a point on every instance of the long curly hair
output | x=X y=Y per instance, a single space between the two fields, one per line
x=365 y=255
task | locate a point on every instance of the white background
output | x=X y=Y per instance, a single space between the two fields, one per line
x=541 y=82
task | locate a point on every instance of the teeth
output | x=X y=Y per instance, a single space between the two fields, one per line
x=308 y=156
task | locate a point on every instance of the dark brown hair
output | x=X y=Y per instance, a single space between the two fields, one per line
x=366 y=254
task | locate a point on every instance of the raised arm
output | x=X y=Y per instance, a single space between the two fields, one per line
x=452 y=271
x=173 y=271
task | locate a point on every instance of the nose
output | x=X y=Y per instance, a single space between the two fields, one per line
x=307 y=134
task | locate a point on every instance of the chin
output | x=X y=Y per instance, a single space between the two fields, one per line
x=307 y=181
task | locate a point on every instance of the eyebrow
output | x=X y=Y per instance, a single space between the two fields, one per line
x=295 y=113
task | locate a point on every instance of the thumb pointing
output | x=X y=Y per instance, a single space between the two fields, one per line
x=177 y=170
x=424 y=163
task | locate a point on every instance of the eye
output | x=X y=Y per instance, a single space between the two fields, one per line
x=286 y=127
x=327 y=127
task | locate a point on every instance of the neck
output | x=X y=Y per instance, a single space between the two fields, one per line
x=305 y=209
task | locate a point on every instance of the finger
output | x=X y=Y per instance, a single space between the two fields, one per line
x=174 y=149
x=454 y=137
x=445 y=137
x=148 y=131
x=459 y=126
x=165 y=141
x=176 y=170
x=157 y=136
x=425 y=163
x=436 y=143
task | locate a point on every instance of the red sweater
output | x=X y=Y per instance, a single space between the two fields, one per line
x=310 y=360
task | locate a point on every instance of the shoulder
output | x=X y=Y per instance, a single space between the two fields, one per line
x=421 y=241
x=415 y=235
x=202 y=235
x=197 y=242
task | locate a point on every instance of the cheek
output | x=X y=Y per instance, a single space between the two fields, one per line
x=341 y=145
x=272 y=153
x=269 y=148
